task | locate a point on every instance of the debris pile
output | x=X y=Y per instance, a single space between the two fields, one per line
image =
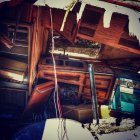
x=110 y=125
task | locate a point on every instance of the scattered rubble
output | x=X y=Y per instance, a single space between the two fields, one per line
x=109 y=126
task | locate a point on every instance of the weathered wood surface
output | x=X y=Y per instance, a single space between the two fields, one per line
x=12 y=74
x=36 y=48
x=108 y=36
x=39 y=99
x=6 y=41
x=75 y=78
x=103 y=84
x=7 y=63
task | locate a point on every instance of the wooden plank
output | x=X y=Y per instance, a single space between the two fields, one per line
x=12 y=64
x=102 y=82
x=10 y=84
x=6 y=41
x=113 y=33
x=66 y=77
x=36 y=47
x=103 y=85
x=45 y=40
x=111 y=36
x=17 y=50
x=74 y=78
x=11 y=74
x=38 y=99
x=100 y=93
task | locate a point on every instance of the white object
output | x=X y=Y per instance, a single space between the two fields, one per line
x=4 y=0
x=127 y=135
x=65 y=129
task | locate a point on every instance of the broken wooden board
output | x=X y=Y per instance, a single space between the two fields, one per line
x=6 y=41
x=38 y=100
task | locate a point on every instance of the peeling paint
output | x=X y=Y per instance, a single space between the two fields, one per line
x=107 y=18
x=133 y=16
x=59 y=4
x=69 y=8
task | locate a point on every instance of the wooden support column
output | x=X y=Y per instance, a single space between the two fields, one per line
x=36 y=46
x=45 y=40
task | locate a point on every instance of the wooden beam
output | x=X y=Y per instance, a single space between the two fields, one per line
x=36 y=47
x=38 y=99
x=108 y=36
x=111 y=36
x=12 y=64
x=6 y=41
x=45 y=40
x=75 y=78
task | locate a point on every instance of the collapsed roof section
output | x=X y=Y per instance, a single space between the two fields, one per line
x=98 y=21
x=111 y=23
x=110 y=8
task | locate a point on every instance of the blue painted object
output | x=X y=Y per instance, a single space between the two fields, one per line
x=126 y=101
x=31 y=132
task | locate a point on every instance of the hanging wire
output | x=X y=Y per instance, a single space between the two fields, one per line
x=56 y=95
x=62 y=122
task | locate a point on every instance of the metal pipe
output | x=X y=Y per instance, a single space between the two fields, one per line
x=93 y=93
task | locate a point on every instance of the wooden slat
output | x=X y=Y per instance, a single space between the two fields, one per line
x=111 y=36
x=102 y=82
x=100 y=93
x=12 y=64
x=11 y=84
x=6 y=41
x=38 y=99
x=45 y=39
x=103 y=85
x=17 y=50
x=36 y=47
x=74 y=78
x=11 y=74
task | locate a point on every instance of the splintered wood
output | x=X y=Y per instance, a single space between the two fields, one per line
x=74 y=78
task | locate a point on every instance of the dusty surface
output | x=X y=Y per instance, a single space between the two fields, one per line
x=107 y=129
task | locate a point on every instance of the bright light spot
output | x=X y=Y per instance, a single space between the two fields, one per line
x=65 y=129
x=12 y=75
x=126 y=90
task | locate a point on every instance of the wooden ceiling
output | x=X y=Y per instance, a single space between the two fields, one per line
x=90 y=26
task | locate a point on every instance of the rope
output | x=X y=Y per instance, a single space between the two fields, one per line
x=56 y=95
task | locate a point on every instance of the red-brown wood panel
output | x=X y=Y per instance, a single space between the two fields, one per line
x=103 y=84
x=112 y=34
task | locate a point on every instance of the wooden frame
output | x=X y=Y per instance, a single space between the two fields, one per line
x=75 y=78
